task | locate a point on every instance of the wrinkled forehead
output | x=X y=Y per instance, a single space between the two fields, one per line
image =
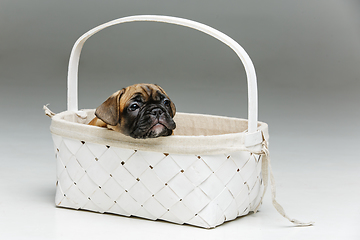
x=143 y=92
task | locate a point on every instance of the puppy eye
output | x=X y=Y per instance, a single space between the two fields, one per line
x=133 y=107
x=167 y=102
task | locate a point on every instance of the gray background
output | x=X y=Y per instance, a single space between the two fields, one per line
x=307 y=58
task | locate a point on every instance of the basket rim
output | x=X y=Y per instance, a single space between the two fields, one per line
x=178 y=144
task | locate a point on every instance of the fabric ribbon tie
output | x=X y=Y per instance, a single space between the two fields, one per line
x=266 y=172
x=48 y=112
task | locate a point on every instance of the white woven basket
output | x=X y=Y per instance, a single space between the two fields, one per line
x=212 y=170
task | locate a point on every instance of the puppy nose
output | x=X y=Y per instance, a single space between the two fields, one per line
x=156 y=112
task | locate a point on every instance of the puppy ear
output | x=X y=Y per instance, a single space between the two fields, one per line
x=109 y=111
x=173 y=108
x=172 y=105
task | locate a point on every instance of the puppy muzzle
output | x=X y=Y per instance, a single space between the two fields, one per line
x=154 y=121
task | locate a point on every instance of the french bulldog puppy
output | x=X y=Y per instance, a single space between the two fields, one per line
x=139 y=111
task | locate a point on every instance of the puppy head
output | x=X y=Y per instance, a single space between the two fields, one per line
x=139 y=111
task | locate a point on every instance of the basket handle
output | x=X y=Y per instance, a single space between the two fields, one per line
x=72 y=100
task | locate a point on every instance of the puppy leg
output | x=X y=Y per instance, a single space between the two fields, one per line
x=97 y=122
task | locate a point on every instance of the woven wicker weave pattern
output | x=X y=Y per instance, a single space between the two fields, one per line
x=203 y=190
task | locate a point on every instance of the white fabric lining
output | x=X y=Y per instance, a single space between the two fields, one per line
x=195 y=134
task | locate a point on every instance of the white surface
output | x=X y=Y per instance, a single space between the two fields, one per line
x=307 y=57
x=322 y=187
